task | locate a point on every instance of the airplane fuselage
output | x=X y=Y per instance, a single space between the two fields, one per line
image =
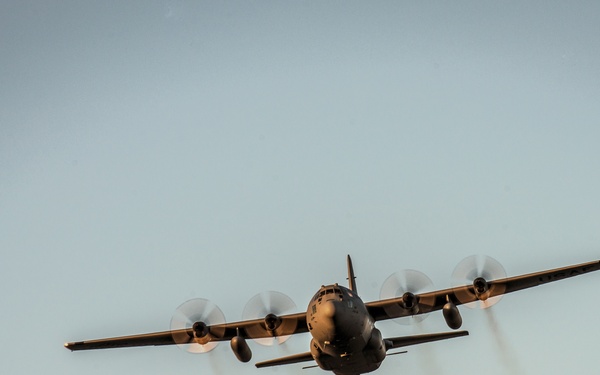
x=345 y=339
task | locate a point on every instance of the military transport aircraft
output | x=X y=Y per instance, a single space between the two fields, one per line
x=342 y=326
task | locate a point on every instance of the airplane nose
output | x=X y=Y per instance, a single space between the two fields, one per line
x=329 y=308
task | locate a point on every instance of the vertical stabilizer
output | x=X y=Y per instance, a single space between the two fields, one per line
x=351 y=277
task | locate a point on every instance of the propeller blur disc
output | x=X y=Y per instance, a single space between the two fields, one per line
x=471 y=268
x=411 y=281
x=263 y=304
x=190 y=312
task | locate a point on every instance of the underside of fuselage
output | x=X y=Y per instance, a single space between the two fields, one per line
x=345 y=339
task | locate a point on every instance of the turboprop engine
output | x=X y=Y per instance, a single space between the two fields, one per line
x=272 y=322
x=269 y=307
x=477 y=281
x=410 y=302
x=481 y=288
x=201 y=333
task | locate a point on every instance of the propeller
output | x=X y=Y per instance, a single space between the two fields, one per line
x=197 y=315
x=477 y=271
x=407 y=284
x=270 y=306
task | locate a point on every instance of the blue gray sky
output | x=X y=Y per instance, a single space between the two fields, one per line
x=156 y=151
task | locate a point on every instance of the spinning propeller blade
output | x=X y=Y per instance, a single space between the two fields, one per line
x=407 y=284
x=269 y=306
x=477 y=271
x=195 y=316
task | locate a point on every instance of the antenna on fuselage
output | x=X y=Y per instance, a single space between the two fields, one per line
x=351 y=277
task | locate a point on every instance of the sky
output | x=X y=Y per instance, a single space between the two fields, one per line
x=157 y=151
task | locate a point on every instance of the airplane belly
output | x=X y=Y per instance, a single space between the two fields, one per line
x=342 y=362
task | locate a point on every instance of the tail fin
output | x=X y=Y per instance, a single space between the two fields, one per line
x=351 y=277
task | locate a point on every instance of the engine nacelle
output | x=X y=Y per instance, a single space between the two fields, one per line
x=452 y=315
x=481 y=288
x=410 y=302
x=272 y=322
x=241 y=349
x=201 y=333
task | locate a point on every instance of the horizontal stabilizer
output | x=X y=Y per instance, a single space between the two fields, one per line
x=296 y=358
x=398 y=342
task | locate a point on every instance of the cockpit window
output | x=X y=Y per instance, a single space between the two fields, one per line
x=323 y=292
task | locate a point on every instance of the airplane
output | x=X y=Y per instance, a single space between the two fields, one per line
x=344 y=337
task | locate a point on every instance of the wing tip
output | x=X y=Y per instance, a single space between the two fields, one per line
x=73 y=346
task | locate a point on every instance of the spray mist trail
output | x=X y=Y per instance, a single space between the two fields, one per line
x=428 y=358
x=508 y=355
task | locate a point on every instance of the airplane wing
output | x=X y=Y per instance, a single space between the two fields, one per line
x=255 y=329
x=432 y=301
